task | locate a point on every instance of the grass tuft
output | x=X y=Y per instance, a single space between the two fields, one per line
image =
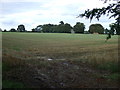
x=111 y=66
x=12 y=84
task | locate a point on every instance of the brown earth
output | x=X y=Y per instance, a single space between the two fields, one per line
x=55 y=74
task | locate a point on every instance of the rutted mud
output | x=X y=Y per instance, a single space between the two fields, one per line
x=58 y=74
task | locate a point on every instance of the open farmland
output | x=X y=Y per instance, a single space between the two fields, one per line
x=37 y=60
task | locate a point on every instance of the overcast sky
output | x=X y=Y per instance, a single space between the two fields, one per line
x=38 y=12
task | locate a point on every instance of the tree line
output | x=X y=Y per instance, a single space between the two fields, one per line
x=60 y=28
x=67 y=28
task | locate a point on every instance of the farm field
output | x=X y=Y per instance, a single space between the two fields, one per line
x=53 y=60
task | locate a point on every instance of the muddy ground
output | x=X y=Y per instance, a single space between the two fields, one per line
x=55 y=73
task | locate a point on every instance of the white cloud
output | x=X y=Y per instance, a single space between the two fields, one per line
x=23 y=0
x=34 y=12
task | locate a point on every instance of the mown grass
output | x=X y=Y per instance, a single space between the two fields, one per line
x=87 y=48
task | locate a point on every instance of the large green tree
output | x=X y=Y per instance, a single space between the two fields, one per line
x=112 y=10
x=21 y=28
x=64 y=28
x=96 y=28
x=79 y=27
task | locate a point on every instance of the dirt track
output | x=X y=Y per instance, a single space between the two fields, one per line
x=62 y=74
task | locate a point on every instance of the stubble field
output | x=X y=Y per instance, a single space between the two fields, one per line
x=39 y=60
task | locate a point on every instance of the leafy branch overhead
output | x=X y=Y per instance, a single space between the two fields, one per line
x=112 y=9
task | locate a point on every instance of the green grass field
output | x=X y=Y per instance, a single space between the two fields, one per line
x=60 y=45
x=36 y=49
x=54 y=42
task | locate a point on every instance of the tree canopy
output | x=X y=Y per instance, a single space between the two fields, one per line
x=51 y=28
x=21 y=28
x=79 y=27
x=96 y=28
x=12 y=30
x=112 y=10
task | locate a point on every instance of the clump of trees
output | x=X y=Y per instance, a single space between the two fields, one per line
x=48 y=28
x=60 y=28
x=13 y=30
x=21 y=28
x=63 y=28
x=79 y=27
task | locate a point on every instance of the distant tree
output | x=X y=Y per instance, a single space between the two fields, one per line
x=47 y=28
x=106 y=31
x=60 y=27
x=5 y=30
x=96 y=28
x=21 y=28
x=39 y=28
x=51 y=28
x=64 y=28
x=113 y=28
x=33 y=30
x=13 y=30
x=67 y=28
x=55 y=29
x=61 y=22
x=79 y=27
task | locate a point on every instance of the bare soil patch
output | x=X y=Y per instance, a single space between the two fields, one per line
x=56 y=74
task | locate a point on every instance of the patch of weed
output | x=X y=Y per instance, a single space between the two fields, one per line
x=16 y=48
x=114 y=76
x=12 y=84
x=110 y=66
x=5 y=67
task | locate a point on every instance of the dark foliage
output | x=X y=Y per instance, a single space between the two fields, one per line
x=79 y=27
x=112 y=10
x=97 y=12
x=113 y=28
x=21 y=28
x=13 y=30
x=51 y=28
x=96 y=28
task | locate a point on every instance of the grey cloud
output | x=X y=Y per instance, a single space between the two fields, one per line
x=9 y=22
x=15 y=7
